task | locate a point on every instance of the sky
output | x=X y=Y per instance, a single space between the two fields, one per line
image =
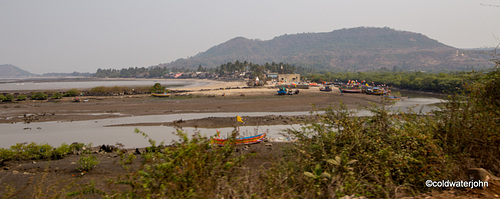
x=84 y=35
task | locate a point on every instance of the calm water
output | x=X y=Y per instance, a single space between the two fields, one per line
x=84 y=84
x=96 y=132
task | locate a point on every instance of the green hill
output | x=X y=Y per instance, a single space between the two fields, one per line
x=11 y=71
x=355 y=49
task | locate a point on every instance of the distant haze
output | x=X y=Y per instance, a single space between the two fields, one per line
x=66 y=36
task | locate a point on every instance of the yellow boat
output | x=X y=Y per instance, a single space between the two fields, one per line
x=161 y=94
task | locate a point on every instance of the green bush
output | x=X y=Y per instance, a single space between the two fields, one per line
x=57 y=95
x=33 y=151
x=21 y=97
x=157 y=88
x=189 y=168
x=72 y=93
x=371 y=156
x=87 y=162
x=38 y=96
x=2 y=98
x=9 y=98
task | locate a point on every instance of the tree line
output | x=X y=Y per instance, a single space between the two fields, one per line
x=420 y=81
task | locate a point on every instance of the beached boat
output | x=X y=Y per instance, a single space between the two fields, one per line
x=350 y=89
x=374 y=91
x=282 y=91
x=238 y=141
x=391 y=97
x=160 y=94
x=326 y=88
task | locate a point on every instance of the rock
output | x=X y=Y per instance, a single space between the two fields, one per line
x=137 y=152
x=107 y=148
x=480 y=174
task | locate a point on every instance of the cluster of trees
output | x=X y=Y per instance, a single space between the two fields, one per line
x=153 y=72
x=257 y=69
x=435 y=82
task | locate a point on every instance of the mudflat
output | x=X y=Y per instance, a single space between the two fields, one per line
x=211 y=98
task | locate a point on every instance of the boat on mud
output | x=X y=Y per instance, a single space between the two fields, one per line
x=160 y=94
x=326 y=88
x=239 y=141
x=350 y=89
x=374 y=91
x=282 y=91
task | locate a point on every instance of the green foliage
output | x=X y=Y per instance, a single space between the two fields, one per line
x=33 y=151
x=38 y=96
x=57 y=95
x=157 y=88
x=87 y=162
x=468 y=129
x=372 y=156
x=2 y=98
x=189 y=168
x=72 y=93
x=441 y=83
x=8 y=98
x=21 y=97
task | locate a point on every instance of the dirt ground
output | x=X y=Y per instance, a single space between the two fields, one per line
x=30 y=179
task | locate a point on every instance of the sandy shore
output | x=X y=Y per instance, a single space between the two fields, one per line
x=208 y=98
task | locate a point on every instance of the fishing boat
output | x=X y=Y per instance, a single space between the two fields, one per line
x=326 y=88
x=350 y=89
x=374 y=91
x=282 y=91
x=238 y=141
x=160 y=94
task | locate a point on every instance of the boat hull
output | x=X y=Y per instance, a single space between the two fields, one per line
x=239 y=141
x=160 y=95
x=350 y=90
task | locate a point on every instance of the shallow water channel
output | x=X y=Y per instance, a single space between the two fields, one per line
x=96 y=132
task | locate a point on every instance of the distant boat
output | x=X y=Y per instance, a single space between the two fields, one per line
x=374 y=91
x=161 y=94
x=282 y=91
x=238 y=141
x=350 y=89
x=326 y=88
x=392 y=97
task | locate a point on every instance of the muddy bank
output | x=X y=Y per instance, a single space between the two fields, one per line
x=221 y=122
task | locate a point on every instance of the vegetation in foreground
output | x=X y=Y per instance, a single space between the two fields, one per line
x=382 y=156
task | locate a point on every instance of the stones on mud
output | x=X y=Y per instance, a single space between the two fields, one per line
x=137 y=152
x=107 y=148
x=179 y=121
x=480 y=174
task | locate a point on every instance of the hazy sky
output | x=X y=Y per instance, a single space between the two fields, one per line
x=44 y=36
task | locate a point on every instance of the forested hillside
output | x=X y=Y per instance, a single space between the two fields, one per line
x=356 y=49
